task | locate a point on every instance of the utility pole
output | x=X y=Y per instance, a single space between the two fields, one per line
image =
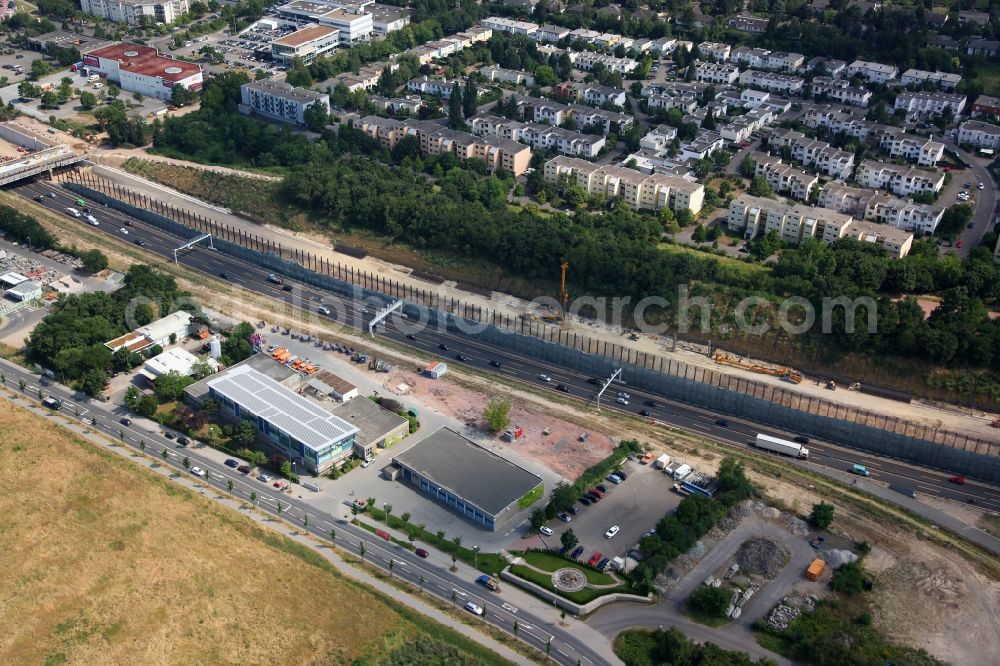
x=606 y=384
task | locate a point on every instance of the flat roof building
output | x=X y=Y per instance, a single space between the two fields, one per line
x=173 y=360
x=279 y=101
x=303 y=431
x=307 y=44
x=325 y=383
x=378 y=428
x=29 y=290
x=141 y=69
x=468 y=479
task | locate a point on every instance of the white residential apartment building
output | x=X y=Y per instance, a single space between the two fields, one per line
x=790 y=85
x=798 y=222
x=838 y=121
x=659 y=139
x=917 y=103
x=386 y=19
x=587 y=60
x=590 y=93
x=500 y=75
x=636 y=189
x=786 y=179
x=818 y=154
x=763 y=59
x=280 y=101
x=827 y=66
x=943 y=80
x=136 y=12
x=715 y=51
x=666 y=99
x=979 y=134
x=901 y=180
x=537 y=110
x=884 y=208
x=607 y=121
x=742 y=127
x=543 y=137
x=354 y=28
x=549 y=34
x=840 y=91
x=716 y=72
x=873 y=72
x=702 y=146
x=912 y=148
x=510 y=26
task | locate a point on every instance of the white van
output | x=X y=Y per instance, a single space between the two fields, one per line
x=73 y=211
x=98 y=85
x=93 y=78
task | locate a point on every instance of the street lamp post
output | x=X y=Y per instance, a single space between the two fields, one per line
x=475 y=549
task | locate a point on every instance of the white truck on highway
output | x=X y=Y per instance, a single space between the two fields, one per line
x=782 y=446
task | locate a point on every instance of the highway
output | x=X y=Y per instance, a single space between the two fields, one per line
x=535 y=631
x=738 y=432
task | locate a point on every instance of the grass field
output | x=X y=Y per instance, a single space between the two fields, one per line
x=105 y=563
x=550 y=562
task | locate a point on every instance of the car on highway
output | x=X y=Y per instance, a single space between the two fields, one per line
x=980 y=186
x=565 y=517
x=860 y=470
x=594 y=559
x=960 y=480
x=410 y=336
x=577 y=552
x=800 y=439
x=169 y=435
x=622 y=401
x=198 y=471
x=473 y=608
x=224 y=276
x=623 y=394
x=73 y=212
x=496 y=364
x=546 y=530
x=612 y=531
x=420 y=552
x=243 y=469
x=650 y=403
x=443 y=346
x=563 y=388
x=286 y=287
x=183 y=441
x=39 y=198
x=139 y=242
x=544 y=377
x=323 y=310
x=644 y=412
x=462 y=357
x=970 y=225
x=722 y=423
x=593 y=380
x=125 y=422
x=231 y=463
x=123 y=231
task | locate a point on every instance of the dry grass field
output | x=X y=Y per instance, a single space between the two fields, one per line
x=104 y=563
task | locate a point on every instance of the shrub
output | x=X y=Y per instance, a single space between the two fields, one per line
x=849 y=579
x=710 y=601
x=822 y=515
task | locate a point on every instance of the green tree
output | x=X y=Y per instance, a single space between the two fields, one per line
x=822 y=515
x=710 y=601
x=170 y=387
x=92 y=381
x=94 y=261
x=569 y=539
x=497 y=415
x=759 y=187
x=244 y=435
x=131 y=398
x=186 y=462
x=182 y=95
x=470 y=98
x=88 y=100
x=316 y=116
x=455 y=107
x=849 y=579
x=538 y=519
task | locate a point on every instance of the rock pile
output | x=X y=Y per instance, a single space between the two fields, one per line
x=781 y=616
x=762 y=557
x=838 y=558
x=797 y=526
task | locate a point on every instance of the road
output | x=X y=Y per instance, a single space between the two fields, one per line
x=534 y=630
x=828 y=457
x=986 y=202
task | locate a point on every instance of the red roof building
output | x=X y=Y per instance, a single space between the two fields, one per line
x=142 y=69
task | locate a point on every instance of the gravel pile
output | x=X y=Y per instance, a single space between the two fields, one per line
x=742 y=510
x=697 y=551
x=797 y=526
x=762 y=557
x=806 y=603
x=770 y=512
x=838 y=558
x=781 y=616
x=15 y=263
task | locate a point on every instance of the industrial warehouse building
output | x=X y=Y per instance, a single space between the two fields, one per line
x=465 y=477
x=305 y=433
x=378 y=428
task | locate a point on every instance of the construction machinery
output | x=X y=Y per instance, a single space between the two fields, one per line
x=787 y=374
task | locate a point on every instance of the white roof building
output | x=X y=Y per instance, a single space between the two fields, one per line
x=174 y=360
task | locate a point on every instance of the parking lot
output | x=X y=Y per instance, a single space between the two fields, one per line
x=635 y=506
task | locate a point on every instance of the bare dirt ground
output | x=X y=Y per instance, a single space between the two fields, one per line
x=928 y=594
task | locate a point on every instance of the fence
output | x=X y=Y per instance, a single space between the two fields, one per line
x=706 y=388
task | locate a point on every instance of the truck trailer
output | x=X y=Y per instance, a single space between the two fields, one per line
x=782 y=446
x=662 y=462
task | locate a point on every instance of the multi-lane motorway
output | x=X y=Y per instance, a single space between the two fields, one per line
x=449 y=346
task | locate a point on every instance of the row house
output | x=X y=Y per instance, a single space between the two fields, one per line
x=827 y=67
x=790 y=85
x=840 y=122
x=536 y=110
x=986 y=107
x=636 y=189
x=715 y=51
x=756 y=58
x=912 y=148
x=500 y=75
x=659 y=139
x=549 y=34
x=510 y=26
x=587 y=60
x=435 y=140
x=840 y=91
x=669 y=99
x=543 y=137
x=873 y=72
x=748 y=98
x=588 y=93
x=410 y=105
x=979 y=134
x=918 y=77
x=742 y=127
x=702 y=146
x=786 y=179
x=718 y=73
x=608 y=121
x=882 y=208
x=901 y=180
x=917 y=104
x=796 y=223
x=820 y=155
x=652 y=161
x=434 y=86
x=753 y=25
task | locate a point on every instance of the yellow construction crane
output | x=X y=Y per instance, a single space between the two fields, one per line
x=787 y=374
x=563 y=294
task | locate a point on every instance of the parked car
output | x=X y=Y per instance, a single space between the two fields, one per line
x=244 y=469
x=585 y=501
x=574 y=509
x=603 y=564
x=620 y=474
x=577 y=552
x=612 y=531
x=614 y=479
x=601 y=487
x=420 y=552
x=126 y=422
x=546 y=530
x=232 y=463
x=263 y=477
x=594 y=559
x=565 y=517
